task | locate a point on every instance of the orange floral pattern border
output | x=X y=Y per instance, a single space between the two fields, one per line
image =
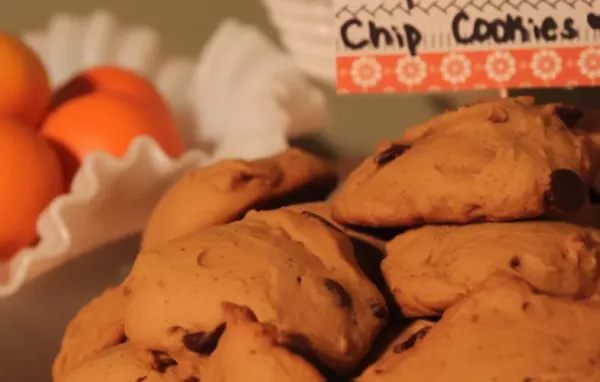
x=453 y=71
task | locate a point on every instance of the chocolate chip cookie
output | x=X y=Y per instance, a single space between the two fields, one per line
x=96 y=327
x=504 y=332
x=292 y=271
x=492 y=161
x=116 y=364
x=250 y=351
x=430 y=268
x=588 y=122
x=223 y=192
x=409 y=337
x=322 y=211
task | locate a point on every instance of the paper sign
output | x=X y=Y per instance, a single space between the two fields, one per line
x=434 y=45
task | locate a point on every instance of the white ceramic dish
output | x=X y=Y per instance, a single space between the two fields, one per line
x=224 y=105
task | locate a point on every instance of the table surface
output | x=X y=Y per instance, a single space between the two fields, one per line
x=33 y=321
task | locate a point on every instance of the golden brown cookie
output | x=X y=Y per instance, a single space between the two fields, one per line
x=492 y=161
x=243 y=349
x=292 y=271
x=369 y=250
x=587 y=122
x=322 y=211
x=223 y=192
x=504 y=332
x=408 y=337
x=430 y=268
x=117 y=364
x=97 y=326
x=399 y=334
x=250 y=351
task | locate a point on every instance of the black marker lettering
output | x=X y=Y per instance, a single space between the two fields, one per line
x=549 y=27
x=569 y=32
x=516 y=25
x=537 y=32
x=376 y=32
x=346 y=39
x=456 y=22
x=413 y=38
x=399 y=37
x=379 y=36
x=500 y=32
x=593 y=20
x=465 y=30
x=481 y=30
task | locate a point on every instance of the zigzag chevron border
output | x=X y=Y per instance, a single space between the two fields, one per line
x=401 y=6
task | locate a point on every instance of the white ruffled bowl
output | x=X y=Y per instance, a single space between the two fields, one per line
x=306 y=28
x=241 y=95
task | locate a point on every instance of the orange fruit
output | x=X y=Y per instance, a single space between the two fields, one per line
x=109 y=123
x=108 y=79
x=32 y=177
x=24 y=87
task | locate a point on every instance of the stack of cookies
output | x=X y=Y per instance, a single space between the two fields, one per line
x=491 y=273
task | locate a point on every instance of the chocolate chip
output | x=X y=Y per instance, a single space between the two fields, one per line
x=322 y=220
x=203 y=342
x=340 y=294
x=594 y=196
x=525 y=306
x=514 y=262
x=567 y=192
x=379 y=309
x=141 y=379
x=245 y=177
x=569 y=115
x=191 y=379
x=162 y=361
x=499 y=115
x=411 y=341
x=390 y=154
